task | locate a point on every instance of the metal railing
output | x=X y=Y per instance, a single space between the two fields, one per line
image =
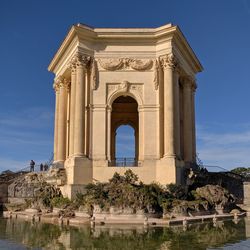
x=124 y=162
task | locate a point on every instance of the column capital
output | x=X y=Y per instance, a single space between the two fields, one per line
x=72 y=65
x=169 y=61
x=188 y=82
x=56 y=86
x=80 y=60
x=61 y=82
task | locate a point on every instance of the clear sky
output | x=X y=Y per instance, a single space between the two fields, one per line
x=217 y=30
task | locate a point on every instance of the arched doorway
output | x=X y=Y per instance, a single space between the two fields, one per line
x=124 y=112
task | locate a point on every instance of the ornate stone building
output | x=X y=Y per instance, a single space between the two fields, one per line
x=107 y=77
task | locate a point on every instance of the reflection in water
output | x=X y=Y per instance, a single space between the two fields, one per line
x=47 y=236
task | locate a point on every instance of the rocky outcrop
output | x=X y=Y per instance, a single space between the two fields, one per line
x=217 y=196
x=230 y=181
x=6 y=178
x=36 y=189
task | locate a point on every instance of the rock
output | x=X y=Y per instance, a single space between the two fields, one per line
x=128 y=210
x=215 y=195
x=33 y=187
x=15 y=207
x=235 y=211
x=32 y=211
x=82 y=214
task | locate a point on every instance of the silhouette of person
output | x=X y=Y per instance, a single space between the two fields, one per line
x=41 y=167
x=46 y=167
x=32 y=166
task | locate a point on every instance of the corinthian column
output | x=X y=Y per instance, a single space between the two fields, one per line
x=56 y=88
x=62 y=118
x=79 y=121
x=187 y=119
x=193 y=121
x=169 y=64
x=72 y=108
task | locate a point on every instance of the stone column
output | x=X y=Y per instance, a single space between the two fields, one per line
x=72 y=108
x=177 y=114
x=193 y=122
x=56 y=87
x=169 y=64
x=62 y=119
x=79 y=121
x=187 y=119
x=109 y=110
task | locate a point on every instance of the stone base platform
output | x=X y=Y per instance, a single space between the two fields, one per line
x=78 y=221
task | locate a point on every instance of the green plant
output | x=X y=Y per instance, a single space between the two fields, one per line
x=60 y=202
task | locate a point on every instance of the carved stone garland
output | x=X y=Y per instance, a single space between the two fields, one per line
x=113 y=64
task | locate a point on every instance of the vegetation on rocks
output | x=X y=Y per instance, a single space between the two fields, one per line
x=127 y=192
x=244 y=171
x=123 y=194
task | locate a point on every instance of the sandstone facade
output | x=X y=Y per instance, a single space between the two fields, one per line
x=107 y=77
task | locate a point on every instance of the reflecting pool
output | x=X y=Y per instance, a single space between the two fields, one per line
x=18 y=234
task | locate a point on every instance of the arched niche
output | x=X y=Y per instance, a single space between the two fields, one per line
x=124 y=112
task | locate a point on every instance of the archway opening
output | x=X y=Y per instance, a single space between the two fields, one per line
x=124 y=132
x=125 y=146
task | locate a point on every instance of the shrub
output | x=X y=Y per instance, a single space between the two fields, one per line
x=60 y=202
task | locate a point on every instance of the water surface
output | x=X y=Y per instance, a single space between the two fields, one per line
x=18 y=234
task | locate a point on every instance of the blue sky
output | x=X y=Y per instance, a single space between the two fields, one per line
x=218 y=32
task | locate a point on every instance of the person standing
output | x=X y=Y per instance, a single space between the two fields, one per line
x=32 y=166
x=41 y=167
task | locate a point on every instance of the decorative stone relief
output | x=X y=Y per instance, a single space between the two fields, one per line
x=156 y=74
x=80 y=60
x=169 y=61
x=113 y=64
x=94 y=75
x=139 y=64
x=61 y=82
x=125 y=87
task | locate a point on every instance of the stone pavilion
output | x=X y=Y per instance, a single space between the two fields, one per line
x=108 y=77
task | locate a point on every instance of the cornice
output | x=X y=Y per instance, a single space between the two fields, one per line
x=128 y=35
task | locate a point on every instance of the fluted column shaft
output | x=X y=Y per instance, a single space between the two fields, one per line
x=177 y=114
x=56 y=87
x=168 y=65
x=62 y=119
x=79 y=121
x=193 y=122
x=187 y=120
x=72 y=109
